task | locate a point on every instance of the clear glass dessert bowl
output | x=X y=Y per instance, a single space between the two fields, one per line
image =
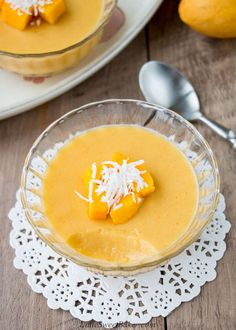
x=45 y=64
x=112 y=112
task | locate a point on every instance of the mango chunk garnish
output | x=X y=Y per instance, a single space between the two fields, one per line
x=117 y=188
x=53 y=11
x=150 y=188
x=97 y=209
x=12 y=17
x=126 y=208
x=87 y=176
x=119 y=158
x=19 y=17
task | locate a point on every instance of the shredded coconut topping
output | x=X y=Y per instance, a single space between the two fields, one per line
x=82 y=197
x=116 y=181
x=28 y=6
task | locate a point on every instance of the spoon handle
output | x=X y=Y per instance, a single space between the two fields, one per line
x=224 y=132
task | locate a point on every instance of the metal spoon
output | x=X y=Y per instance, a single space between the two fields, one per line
x=162 y=84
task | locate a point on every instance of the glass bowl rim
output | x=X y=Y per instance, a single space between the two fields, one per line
x=118 y=268
x=66 y=49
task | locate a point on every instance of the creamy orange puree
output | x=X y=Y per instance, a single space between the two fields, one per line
x=80 y=19
x=163 y=217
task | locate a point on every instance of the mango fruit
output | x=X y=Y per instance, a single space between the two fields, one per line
x=148 y=180
x=126 y=208
x=97 y=210
x=87 y=176
x=119 y=158
x=53 y=11
x=11 y=17
x=213 y=18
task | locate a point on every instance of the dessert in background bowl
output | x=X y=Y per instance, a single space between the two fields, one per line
x=120 y=186
x=50 y=38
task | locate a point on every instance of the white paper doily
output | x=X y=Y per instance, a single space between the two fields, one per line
x=113 y=300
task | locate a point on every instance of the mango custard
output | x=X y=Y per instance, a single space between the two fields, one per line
x=156 y=217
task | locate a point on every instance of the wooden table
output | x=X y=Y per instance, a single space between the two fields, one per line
x=211 y=65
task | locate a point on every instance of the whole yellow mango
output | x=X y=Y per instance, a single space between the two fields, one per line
x=213 y=18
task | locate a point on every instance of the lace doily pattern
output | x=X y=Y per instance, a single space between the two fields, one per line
x=113 y=300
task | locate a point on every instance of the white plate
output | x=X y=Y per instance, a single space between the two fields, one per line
x=18 y=95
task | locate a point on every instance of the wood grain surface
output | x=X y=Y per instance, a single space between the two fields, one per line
x=211 y=65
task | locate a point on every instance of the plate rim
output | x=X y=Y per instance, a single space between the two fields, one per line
x=67 y=85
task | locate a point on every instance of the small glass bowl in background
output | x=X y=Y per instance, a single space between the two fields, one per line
x=45 y=64
x=108 y=112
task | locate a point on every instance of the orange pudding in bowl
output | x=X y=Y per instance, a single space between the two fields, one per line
x=42 y=49
x=162 y=218
x=181 y=178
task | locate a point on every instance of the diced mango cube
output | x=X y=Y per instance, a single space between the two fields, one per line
x=97 y=210
x=16 y=19
x=118 y=158
x=150 y=188
x=87 y=176
x=126 y=208
x=53 y=11
x=1 y=3
x=148 y=180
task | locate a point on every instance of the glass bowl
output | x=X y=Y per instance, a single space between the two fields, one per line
x=45 y=64
x=108 y=112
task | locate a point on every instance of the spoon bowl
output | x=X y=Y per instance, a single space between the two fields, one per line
x=162 y=84
x=166 y=86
